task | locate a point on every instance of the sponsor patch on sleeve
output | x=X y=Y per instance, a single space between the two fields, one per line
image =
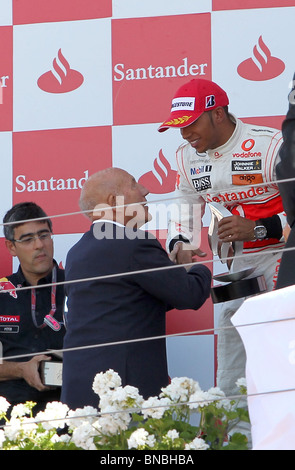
x=246 y=179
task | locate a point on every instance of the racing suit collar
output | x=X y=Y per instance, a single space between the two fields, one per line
x=231 y=143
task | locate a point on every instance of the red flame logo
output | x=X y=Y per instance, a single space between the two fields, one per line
x=61 y=79
x=262 y=66
x=162 y=179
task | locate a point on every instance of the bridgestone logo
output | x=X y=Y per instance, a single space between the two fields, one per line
x=180 y=104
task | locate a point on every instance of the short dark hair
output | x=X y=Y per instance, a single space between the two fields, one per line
x=21 y=212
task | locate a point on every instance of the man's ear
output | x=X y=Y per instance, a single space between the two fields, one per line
x=104 y=210
x=10 y=247
x=219 y=114
x=111 y=200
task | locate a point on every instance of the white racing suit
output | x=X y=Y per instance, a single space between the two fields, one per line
x=233 y=175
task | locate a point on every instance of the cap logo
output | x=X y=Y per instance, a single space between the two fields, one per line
x=179 y=104
x=177 y=121
x=210 y=101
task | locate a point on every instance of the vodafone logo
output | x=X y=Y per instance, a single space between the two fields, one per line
x=262 y=65
x=248 y=145
x=161 y=179
x=61 y=78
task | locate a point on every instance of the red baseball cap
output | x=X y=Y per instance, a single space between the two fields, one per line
x=193 y=99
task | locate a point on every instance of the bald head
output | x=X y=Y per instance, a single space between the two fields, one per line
x=102 y=190
x=100 y=186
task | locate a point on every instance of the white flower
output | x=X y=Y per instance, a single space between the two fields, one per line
x=141 y=438
x=151 y=441
x=199 y=399
x=64 y=438
x=125 y=397
x=180 y=389
x=111 y=426
x=112 y=422
x=20 y=428
x=241 y=383
x=77 y=417
x=54 y=415
x=104 y=381
x=172 y=434
x=20 y=410
x=112 y=403
x=4 y=405
x=197 y=444
x=29 y=426
x=106 y=400
x=13 y=429
x=218 y=396
x=83 y=436
x=155 y=407
x=216 y=392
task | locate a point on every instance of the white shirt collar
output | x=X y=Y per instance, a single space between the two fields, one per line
x=110 y=221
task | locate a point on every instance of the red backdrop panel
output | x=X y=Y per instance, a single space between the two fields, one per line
x=270 y=121
x=152 y=57
x=6 y=260
x=54 y=168
x=42 y=11
x=6 y=79
x=183 y=321
x=241 y=5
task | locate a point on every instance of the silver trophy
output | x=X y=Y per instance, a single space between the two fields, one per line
x=235 y=284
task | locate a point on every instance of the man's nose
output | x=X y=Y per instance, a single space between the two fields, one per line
x=38 y=242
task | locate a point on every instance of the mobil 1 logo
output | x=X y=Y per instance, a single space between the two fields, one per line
x=203 y=183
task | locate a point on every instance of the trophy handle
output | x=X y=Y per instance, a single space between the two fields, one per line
x=218 y=248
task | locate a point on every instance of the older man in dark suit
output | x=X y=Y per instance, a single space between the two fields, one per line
x=118 y=303
x=286 y=170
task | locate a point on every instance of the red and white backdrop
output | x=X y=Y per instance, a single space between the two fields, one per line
x=84 y=86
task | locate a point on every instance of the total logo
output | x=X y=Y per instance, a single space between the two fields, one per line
x=61 y=78
x=262 y=65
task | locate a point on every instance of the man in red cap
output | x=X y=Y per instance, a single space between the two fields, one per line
x=231 y=163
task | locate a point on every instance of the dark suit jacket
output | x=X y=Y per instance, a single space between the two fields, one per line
x=122 y=307
x=285 y=170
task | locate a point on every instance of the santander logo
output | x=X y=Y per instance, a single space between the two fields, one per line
x=61 y=78
x=262 y=65
x=161 y=179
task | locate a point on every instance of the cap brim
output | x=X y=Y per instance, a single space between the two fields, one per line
x=179 y=120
